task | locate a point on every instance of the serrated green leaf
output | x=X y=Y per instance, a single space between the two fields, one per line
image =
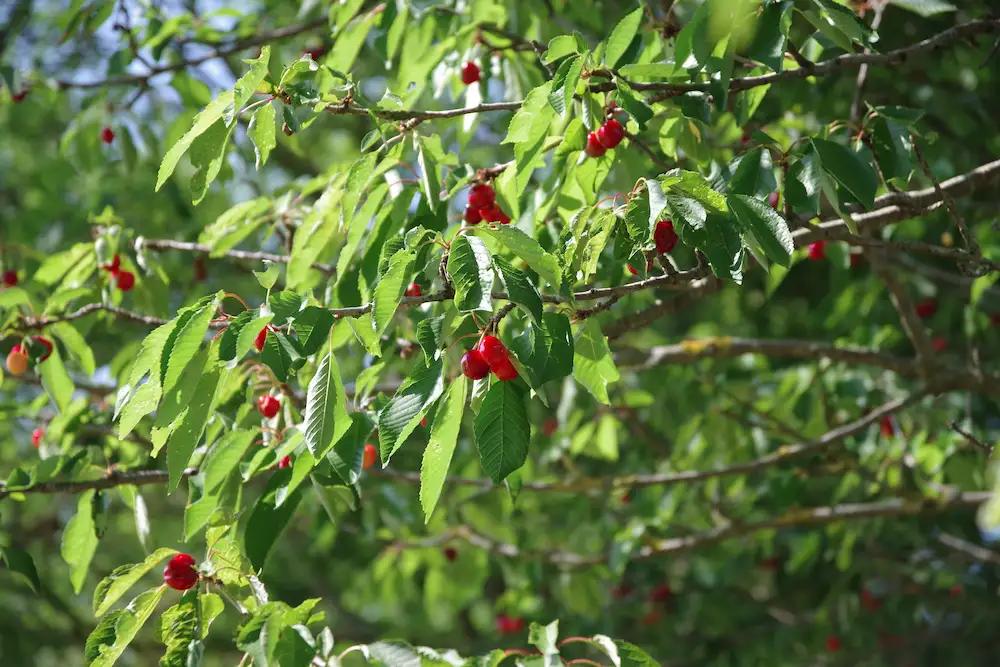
x=223 y=458
x=179 y=631
x=519 y=288
x=262 y=134
x=75 y=344
x=632 y=103
x=347 y=455
x=621 y=37
x=326 y=418
x=79 y=541
x=429 y=337
x=122 y=578
x=20 y=562
x=925 y=8
x=471 y=273
x=390 y=290
x=502 y=430
x=207 y=153
x=407 y=406
x=849 y=170
x=546 y=351
x=267 y=520
x=186 y=437
x=248 y=84
x=314 y=233
x=116 y=631
x=441 y=446
x=891 y=144
x=56 y=380
x=202 y=122
x=770 y=39
x=593 y=366
x=528 y=249
x=765 y=225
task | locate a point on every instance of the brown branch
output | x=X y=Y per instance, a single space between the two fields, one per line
x=111 y=480
x=970 y=240
x=969 y=549
x=168 y=244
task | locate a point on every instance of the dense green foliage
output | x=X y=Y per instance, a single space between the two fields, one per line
x=766 y=444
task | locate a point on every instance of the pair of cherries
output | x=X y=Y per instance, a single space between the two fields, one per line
x=607 y=136
x=125 y=280
x=19 y=359
x=483 y=206
x=489 y=355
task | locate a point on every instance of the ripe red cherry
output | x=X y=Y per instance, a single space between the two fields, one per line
x=817 y=251
x=493 y=351
x=772 y=200
x=47 y=344
x=494 y=214
x=660 y=593
x=664 y=236
x=886 y=427
x=125 y=280
x=594 y=147
x=261 y=338
x=17 y=98
x=507 y=624
x=474 y=366
x=10 y=278
x=832 y=644
x=482 y=196
x=856 y=259
x=610 y=134
x=450 y=553
x=369 y=457
x=505 y=371
x=939 y=344
x=268 y=405
x=631 y=269
x=37 y=435
x=179 y=573
x=413 y=290
x=115 y=266
x=285 y=463
x=315 y=53
x=107 y=135
x=745 y=139
x=549 y=426
x=470 y=72
x=926 y=308
x=472 y=216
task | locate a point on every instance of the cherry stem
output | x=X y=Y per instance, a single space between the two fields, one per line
x=230 y=295
x=571 y=640
x=461 y=337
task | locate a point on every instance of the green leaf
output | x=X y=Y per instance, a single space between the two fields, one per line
x=390 y=290
x=223 y=458
x=248 y=84
x=846 y=21
x=532 y=120
x=326 y=418
x=123 y=577
x=621 y=37
x=186 y=437
x=179 y=631
x=202 y=122
x=183 y=343
x=441 y=446
x=723 y=248
x=769 y=42
x=747 y=175
x=312 y=326
x=502 y=430
x=281 y=354
x=357 y=178
x=116 y=631
x=79 y=541
x=545 y=638
x=260 y=634
x=267 y=519
x=849 y=170
x=891 y=144
x=632 y=103
x=925 y=8
x=20 y=562
x=519 y=288
x=75 y=344
x=429 y=336
x=314 y=234
x=430 y=178
x=207 y=153
x=633 y=656
x=803 y=186
x=56 y=381
x=528 y=249
x=560 y=46
x=546 y=351
x=593 y=366
x=407 y=407
x=765 y=225
x=364 y=330
x=262 y=134
x=564 y=84
x=472 y=273
x=229 y=341
x=347 y=455
x=269 y=276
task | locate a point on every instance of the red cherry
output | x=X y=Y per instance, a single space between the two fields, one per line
x=611 y=133
x=17 y=98
x=413 y=290
x=817 y=251
x=470 y=72
x=772 y=200
x=869 y=601
x=886 y=427
x=115 y=266
x=856 y=259
x=549 y=426
x=660 y=593
x=745 y=139
x=664 y=236
x=450 y=553
x=926 y=308
x=494 y=214
x=493 y=351
x=472 y=216
x=474 y=366
x=939 y=344
x=125 y=280
x=369 y=457
x=261 y=338
x=179 y=573
x=770 y=564
x=107 y=135
x=268 y=405
x=285 y=463
x=995 y=318
x=423 y=423
x=37 y=435
x=199 y=269
x=631 y=270
x=315 y=53
x=594 y=147
x=956 y=591
x=10 y=278
x=47 y=344
x=505 y=371
x=621 y=591
x=652 y=617
x=482 y=196
x=508 y=625
x=832 y=644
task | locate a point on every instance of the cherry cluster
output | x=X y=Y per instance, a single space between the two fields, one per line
x=489 y=355
x=607 y=136
x=125 y=280
x=483 y=206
